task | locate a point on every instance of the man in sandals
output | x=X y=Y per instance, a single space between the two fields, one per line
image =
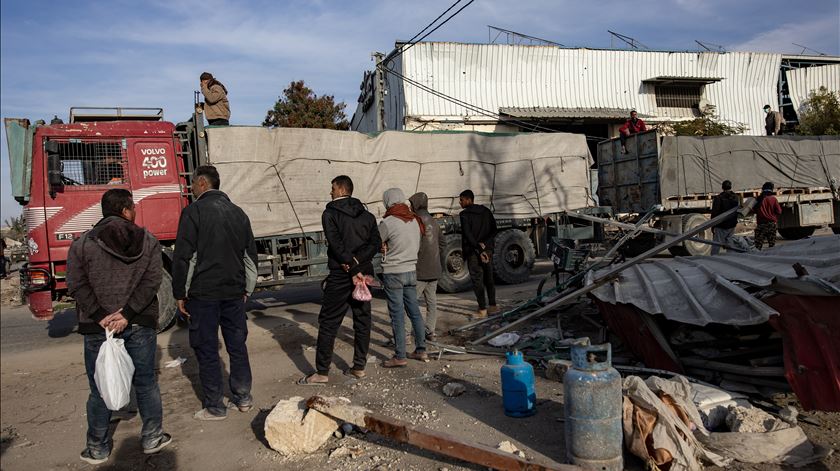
x=353 y=241
x=401 y=231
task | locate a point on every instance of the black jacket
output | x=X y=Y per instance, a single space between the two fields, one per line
x=214 y=237
x=477 y=226
x=430 y=258
x=351 y=234
x=116 y=265
x=722 y=203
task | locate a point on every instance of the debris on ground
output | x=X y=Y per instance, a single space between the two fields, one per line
x=454 y=389
x=752 y=420
x=507 y=339
x=292 y=429
x=509 y=447
x=10 y=290
x=175 y=363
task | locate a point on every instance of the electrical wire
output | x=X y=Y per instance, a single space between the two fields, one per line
x=414 y=40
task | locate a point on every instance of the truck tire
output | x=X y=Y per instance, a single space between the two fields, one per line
x=166 y=303
x=513 y=256
x=455 y=277
x=690 y=221
x=796 y=233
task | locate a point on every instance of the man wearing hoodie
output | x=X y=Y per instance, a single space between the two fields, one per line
x=430 y=260
x=401 y=231
x=478 y=232
x=216 y=104
x=113 y=273
x=352 y=242
x=213 y=273
x=767 y=211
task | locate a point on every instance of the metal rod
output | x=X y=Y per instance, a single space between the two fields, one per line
x=610 y=273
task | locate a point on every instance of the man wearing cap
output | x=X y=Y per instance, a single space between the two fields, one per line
x=216 y=105
x=773 y=121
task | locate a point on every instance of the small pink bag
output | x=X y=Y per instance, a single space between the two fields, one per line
x=361 y=292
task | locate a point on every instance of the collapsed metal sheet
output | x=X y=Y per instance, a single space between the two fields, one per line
x=710 y=289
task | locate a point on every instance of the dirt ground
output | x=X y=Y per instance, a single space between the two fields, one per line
x=44 y=389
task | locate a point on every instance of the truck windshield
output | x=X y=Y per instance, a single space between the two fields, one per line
x=87 y=163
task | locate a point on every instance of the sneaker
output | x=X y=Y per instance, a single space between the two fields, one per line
x=205 y=414
x=480 y=314
x=395 y=363
x=165 y=439
x=88 y=457
x=493 y=310
x=419 y=356
x=240 y=407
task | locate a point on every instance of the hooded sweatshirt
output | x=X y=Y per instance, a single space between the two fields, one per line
x=402 y=237
x=351 y=234
x=478 y=226
x=430 y=258
x=116 y=265
x=216 y=104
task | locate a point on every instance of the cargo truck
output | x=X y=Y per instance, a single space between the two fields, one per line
x=683 y=174
x=281 y=178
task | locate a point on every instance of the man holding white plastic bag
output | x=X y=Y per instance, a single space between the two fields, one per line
x=113 y=273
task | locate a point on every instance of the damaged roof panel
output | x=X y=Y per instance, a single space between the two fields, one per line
x=711 y=289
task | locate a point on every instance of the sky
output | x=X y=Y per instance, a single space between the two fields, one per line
x=54 y=55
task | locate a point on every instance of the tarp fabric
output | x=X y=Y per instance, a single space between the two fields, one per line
x=281 y=177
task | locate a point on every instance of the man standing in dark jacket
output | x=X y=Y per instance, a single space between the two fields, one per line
x=113 y=273
x=722 y=203
x=213 y=273
x=478 y=231
x=430 y=260
x=353 y=240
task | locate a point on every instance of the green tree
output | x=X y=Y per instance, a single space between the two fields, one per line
x=16 y=228
x=820 y=114
x=300 y=107
x=707 y=124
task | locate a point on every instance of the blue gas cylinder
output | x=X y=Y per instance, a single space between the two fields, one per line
x=519 y=395
x=592 y=401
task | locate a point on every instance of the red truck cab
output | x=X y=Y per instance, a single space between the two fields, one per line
x=72 y=165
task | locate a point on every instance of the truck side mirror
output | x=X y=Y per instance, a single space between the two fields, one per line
x=53 y=164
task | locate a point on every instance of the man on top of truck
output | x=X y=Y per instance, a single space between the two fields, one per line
x=634 y=125
x=216 y=105
x=773 y=121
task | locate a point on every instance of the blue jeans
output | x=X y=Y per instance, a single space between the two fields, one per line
x=206 y=317
x=401 y=291
x=141 y=344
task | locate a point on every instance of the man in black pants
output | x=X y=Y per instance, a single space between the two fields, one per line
x=213 y=271
x=353 y=240
x=478 y=230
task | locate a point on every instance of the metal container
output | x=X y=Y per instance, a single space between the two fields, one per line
x=519 y=394
x=592 y=397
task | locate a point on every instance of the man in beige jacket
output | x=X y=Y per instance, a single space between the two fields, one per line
x=216 y=105
x=773 y=121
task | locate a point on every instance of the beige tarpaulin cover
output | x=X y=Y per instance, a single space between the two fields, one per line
x=281 y=177
x=698 y=165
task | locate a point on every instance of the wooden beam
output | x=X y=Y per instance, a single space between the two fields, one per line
x=430 y=440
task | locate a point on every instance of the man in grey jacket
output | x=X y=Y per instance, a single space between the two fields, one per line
x=430 y=260
x=113 y=273
x=401 y=231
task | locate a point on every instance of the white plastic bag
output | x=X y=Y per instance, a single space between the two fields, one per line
x=114 y=371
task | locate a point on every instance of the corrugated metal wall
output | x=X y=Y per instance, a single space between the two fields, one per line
x=802 y=81
x=493 y=76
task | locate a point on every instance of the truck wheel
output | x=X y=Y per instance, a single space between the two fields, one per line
x=166 y=303
x=690 y=221
x=513 y=256
x=455 y=277
x=796 y=233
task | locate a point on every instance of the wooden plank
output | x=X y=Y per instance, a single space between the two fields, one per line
x=421 y=437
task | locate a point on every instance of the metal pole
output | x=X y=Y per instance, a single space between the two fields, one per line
x=748 y=204
x=651 y=230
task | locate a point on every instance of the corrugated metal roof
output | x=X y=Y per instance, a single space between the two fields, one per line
x=802 y=81
x=710 y=289
x=553 y=112
x=495 y=76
